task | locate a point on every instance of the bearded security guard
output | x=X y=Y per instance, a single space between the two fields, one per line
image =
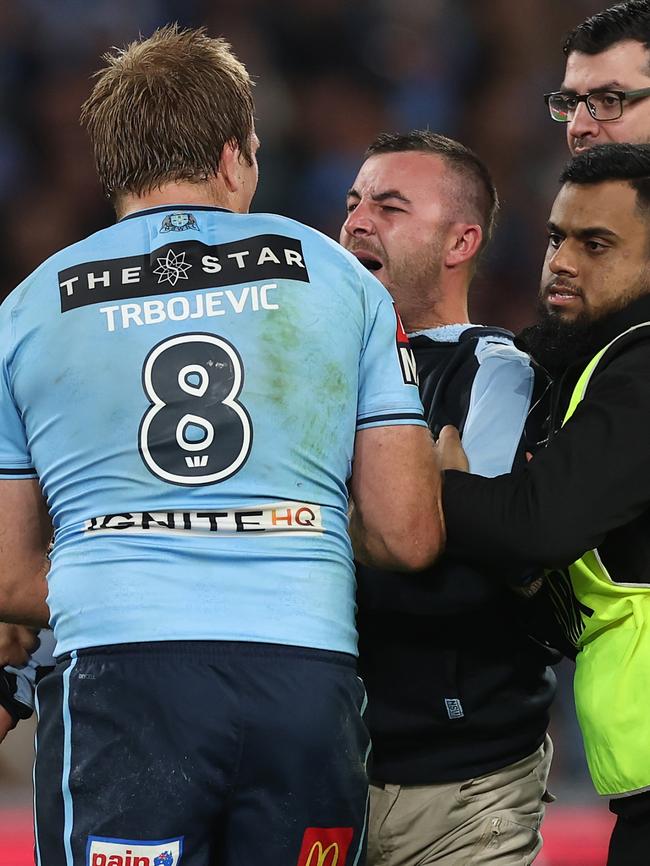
x=582 y=505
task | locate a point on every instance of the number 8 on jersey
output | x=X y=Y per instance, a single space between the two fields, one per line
x=195 y=431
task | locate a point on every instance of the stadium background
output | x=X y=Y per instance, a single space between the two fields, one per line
x=330 y=74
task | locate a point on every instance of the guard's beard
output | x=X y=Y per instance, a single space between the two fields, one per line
x=555 y=343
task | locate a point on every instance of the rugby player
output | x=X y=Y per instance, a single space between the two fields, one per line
x=184 y=398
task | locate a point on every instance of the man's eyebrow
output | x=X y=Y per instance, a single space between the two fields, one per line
x=391 y=193
x=587 y=232
x=590 y=231
x=381 y=196
x=608 y=85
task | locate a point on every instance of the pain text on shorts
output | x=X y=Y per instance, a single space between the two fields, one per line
x=106 y=851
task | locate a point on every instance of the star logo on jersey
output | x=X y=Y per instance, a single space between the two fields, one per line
x=172 y=268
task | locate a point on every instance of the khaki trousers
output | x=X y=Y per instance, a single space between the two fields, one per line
x=492 y=819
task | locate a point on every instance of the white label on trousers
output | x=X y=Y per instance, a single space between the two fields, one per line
x=454 y=708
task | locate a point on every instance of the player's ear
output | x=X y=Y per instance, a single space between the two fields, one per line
x=465 y=243
x=229 y=165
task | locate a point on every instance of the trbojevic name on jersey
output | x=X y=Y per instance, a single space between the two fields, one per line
x=186 y=385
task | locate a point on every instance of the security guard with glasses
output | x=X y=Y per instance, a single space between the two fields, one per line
x=604 y=95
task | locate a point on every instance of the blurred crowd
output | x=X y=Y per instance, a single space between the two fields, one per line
x=330 y=75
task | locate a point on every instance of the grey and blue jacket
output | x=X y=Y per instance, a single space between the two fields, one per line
x=456 y=685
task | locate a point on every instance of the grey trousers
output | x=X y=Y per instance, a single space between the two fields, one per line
x=491 y=819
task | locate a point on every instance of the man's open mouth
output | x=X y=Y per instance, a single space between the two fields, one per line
x=368 y=260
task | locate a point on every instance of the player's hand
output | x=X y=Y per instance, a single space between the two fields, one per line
x=16 y=644
x=6 y=723
x=450 y=451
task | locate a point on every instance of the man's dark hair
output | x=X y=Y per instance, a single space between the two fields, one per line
x=478 y=190
x=599 y=32
x=626 y=162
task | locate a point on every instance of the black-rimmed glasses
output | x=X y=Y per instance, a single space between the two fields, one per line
x=602 y=105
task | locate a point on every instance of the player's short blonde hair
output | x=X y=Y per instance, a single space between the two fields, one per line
x=163 y=108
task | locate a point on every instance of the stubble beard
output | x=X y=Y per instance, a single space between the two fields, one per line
x=414 y=284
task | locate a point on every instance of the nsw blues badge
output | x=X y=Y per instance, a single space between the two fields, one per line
x=179 y=222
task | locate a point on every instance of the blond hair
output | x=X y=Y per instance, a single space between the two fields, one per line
x=163 y=108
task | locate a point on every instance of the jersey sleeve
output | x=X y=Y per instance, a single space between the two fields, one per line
x=15 y=459
x=498 y=406
x=388 y=383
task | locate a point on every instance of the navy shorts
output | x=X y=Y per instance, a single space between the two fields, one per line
x=201 y=753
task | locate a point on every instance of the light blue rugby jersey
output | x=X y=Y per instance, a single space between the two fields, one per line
x=187 y=385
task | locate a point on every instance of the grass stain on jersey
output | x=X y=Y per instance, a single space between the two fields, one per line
x=321 y=425
x=297 y=365
x=280 y=332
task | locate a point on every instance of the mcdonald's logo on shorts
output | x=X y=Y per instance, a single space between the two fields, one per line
x=325 y=846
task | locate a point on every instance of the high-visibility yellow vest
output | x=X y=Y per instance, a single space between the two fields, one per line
x=612 y=680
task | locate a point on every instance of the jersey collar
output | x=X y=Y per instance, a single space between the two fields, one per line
x=173 y=207
x=443 y=333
